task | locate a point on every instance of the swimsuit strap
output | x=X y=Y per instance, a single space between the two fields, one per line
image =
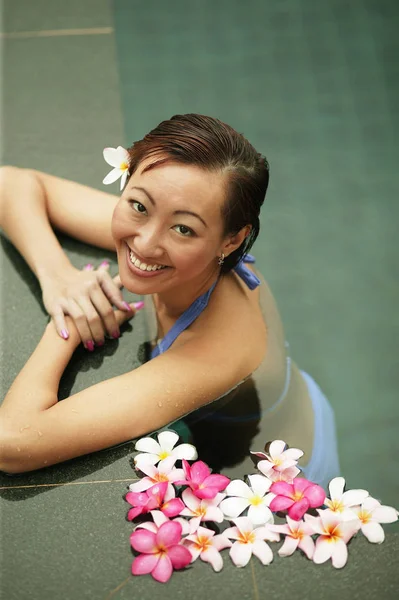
x=196 y=308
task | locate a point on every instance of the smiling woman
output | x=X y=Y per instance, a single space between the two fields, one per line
x=182 y=229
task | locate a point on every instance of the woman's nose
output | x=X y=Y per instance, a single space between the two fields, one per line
x=148 y=241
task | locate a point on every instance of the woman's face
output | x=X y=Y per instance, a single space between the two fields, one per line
x=168 y=227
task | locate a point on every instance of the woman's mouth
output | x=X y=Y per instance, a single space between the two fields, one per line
x=141 y=268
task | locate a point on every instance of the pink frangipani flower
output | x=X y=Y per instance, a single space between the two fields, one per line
x=250 y=541
x=296 y=497
x=203 y=484
x=206 y=545
x=334 y=534
x=202 y=510
x=254 y=496
x=279 y=460
x=369 y=516
x=154 y=451
x=164 y=472
x=161 y=552
x=298 y=534
x=341 y=502
x=188 y=527
x=157 y=496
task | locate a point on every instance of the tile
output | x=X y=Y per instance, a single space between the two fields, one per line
x=24 y=15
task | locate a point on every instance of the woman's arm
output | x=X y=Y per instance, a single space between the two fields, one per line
x=36 y=430
x=31 y=203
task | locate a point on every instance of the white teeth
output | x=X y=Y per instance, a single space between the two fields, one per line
x=144 y=266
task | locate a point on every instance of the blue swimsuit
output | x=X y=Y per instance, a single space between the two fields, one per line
x=323 y=464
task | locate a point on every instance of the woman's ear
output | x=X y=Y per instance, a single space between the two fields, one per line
x=233 y=242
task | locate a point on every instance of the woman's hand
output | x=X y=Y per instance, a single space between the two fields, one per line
x=88 y=297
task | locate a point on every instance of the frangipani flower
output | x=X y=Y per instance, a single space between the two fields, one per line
x=119 y=159
x=296 y=497
x=334 y=534
x=279 y=464
x=297 y=535
x=341 y=502
x=206 y=545
x=161 y=551
x=199 y=478
x=370 y=514
x=157 y=496
x=253 y=495
x=160 y=518
x=164 y=472
x=155 y=451
x=249 y=541
x=202 y=510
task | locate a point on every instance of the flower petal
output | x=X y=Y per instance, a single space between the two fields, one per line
x=111 y=157
x=260 y=514
x=232 y=533
x=143 y=541
x=218 y=481
x=164 y=569
x=262 y=551
x=169 y=534
x=315 y=494
x=137 y=498
x=145 y=459
x=167 y=440
x=173 y=507
x=125 y=173
x=141 y=485
x=221 y=541
x=280 y=503
x=373 y=532
x=323 y=550
x=259 y=484
x=289 y=546
x=122 y=155
x=199 y=471
x=281 y=488
x=213 y=513
x=180 y=556
x=240 y=554
x=233 y=507
x=265 y=467
x=267 y=532
x=112 y=176
x=144 y=563
x=315 y=523
x=354 y=497
x=190 y=500
x=339 y=554
x=385 y=514
x=336 y=487
x=212 y=556
x=135 y=512
x=276 y=448
x=237 y=487
x=307 y=546
x=187 y=451
x=293 y=454
x=159 y=517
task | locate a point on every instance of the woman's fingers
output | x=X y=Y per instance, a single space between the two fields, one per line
x=112 y=289
x=80 y=318
x=103 y=307
x=58 y=317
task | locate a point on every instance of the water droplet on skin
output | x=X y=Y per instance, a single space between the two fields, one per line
x=160 y=404
x=18 y=449
x=39 y=433
x=45 y=462
x=75 y=411
x=23 y=428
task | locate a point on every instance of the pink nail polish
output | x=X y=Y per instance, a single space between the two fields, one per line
x=64 y=334
x=115 y=334
x=88 y=267
x=100 y=343
x=127 y=306
x=105 y=263
x=138 y=305
x=90 y=345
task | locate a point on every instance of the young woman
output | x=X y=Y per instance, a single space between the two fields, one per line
x=187 y=217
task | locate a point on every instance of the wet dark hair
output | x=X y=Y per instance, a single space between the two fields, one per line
x=214 y=146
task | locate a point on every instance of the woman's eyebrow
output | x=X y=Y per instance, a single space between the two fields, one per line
x=176 y=212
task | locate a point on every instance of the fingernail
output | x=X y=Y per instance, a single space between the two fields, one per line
x=100 y=343
x=115 y=334
x=138 y=305
x=88 y=267
x=127 y=306
x=105 y=263
x=64 y=334
x=89 y=345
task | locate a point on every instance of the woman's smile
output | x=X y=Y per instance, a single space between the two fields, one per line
x=142 y=269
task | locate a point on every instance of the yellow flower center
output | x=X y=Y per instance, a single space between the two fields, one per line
x=277 y=462
x=332 y=533
x=124 y=166
x=159 y=477
x=297 y=496
x=246 y=537
x=256 y=500
x=200 y=511
x=364 y=516
x=335 y=505
x=298 y=535
x=163 y=455
x=202 y=543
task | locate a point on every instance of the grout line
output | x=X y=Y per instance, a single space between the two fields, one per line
x=20 y=487
x=256 y=591
x=119 y=587
x=56 y=33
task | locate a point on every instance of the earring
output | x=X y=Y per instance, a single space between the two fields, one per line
x=221 y=260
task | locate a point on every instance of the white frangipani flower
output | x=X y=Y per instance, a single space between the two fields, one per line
x=248 y=541
x=154 y=451
x=370 y=514
x=341 y=502
x=253 y=496
x=119 y=159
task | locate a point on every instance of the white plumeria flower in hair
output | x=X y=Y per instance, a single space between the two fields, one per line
x=155 y=451
x=119 y=159
x=370 y=514
x=341 y=502
x=253 y=496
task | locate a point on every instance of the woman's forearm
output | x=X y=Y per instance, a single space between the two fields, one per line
x=36 y=387
x=24 y=219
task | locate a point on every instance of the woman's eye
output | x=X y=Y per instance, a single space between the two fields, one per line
x=138 y=207
x=185 y=231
